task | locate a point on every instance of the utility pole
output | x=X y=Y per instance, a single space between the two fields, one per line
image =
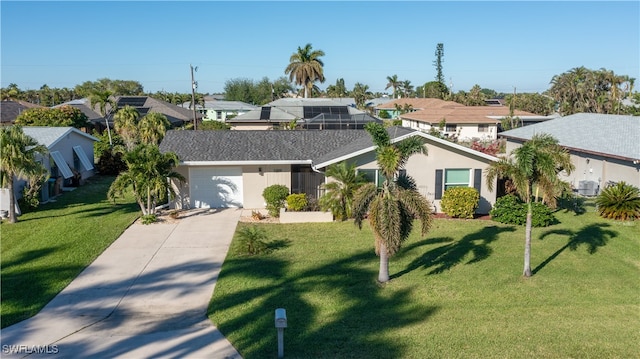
x=194 y=84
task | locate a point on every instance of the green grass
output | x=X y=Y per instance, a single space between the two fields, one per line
x=46 y=249
x=456 y=293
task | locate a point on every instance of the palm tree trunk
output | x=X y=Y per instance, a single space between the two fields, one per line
x=12 y=199
x=527 y=242
x=383 y=274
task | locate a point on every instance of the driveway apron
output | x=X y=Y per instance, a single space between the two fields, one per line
x=145 y=296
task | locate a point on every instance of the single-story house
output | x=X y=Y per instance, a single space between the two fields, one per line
x=308 y=113
x=603 y=148
x=220 y=110
x=69 y=161
x=460 y=122
x=232 y=168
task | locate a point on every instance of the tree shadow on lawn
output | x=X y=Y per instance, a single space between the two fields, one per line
x=358 y=315
x=447 y=256
x=593 y=236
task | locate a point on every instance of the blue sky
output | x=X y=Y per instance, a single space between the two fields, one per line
x=497 y=45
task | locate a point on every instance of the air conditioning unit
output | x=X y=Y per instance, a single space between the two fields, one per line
x=587 y=188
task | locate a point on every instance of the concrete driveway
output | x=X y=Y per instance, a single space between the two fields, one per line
x=145 y=296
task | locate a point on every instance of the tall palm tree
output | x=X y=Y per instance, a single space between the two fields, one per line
x=394 y=83
x=341 y=190
x=17 y=160
x=407 y=88
x=392 y=208
x=536 y=163
x=361 y=94
x=125 y=122
x=152 y=128
x=147 y=173
x=306 y=68
x=106 y=104
x=337 y=90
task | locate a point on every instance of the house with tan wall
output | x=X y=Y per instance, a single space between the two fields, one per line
x=232 y=168
x=604 y=148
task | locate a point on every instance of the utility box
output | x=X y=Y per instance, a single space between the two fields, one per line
x=281 y=318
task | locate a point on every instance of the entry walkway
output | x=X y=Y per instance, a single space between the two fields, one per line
x=145 y=296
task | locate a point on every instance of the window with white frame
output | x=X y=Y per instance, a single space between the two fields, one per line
x=450 y=128
x=483 y=128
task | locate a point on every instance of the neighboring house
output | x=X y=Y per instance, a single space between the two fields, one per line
x=222 y=110
x=461 y=122
x=11 y=109
x=308 y=113
x=603 y=148
x=69 y=161
x=232 y=168
x=92 y=112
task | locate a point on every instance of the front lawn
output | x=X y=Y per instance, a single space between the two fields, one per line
x=456 y=293
x=48 y=248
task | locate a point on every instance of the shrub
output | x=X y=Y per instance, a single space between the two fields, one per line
x=460 y=202
x=275 y=196
x=251 y=240
x=149 y=218
x=620 y=201
x=510 y=209
x=297 y=202
x=257 y=216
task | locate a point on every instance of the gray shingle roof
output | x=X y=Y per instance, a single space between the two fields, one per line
x=10 y=110
x=247 y=146
x=612 y=135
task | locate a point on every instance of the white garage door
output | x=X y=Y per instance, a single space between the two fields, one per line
x=215 y=187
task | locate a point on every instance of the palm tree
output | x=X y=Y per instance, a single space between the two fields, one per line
x=337 y=90
x=147 y=173
x=536 y=163
x=17 y=160
x=125 y=122
x=306 y=68
x=392 y=208
x=407 y=88
x=340 y=191
x=361 y=94
x=106 y=103
x=394 y=83
x=152 y=128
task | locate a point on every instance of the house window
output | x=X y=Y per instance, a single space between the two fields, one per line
x=483 y=128
x=76 y=162
x=374 y=176
x=450 y=128
x=53 y=168
x=219 y=115
x=456 y=178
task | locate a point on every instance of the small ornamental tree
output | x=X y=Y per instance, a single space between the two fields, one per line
x=275 y=196
x=62 y=116
x=297 y=202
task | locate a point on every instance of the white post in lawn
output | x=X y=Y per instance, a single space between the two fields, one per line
x=281 y=323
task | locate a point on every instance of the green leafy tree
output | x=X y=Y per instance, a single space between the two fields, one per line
x=338 y=90
x=106 y=103
x=17 y=161
x=438 y=63
x=55 y=117
x=340 y=191
x=531 y=102
x=306 y=67
x=213 y=126
x=392 y=208
x=361 y=94
x=536 y=163
x=394 y=83
x=146 y=175
x=125 y=122
x=152 y=128
x=592 y=91
x=434 y=89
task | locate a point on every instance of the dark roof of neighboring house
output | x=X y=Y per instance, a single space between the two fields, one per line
x=11 y=109
x=84 y=105
x=176 y=115
x=288 y=109
x=616 y=136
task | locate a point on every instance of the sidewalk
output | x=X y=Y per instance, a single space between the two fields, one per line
x=145 y=296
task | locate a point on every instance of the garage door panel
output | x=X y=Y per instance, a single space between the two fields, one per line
x=216 y=187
